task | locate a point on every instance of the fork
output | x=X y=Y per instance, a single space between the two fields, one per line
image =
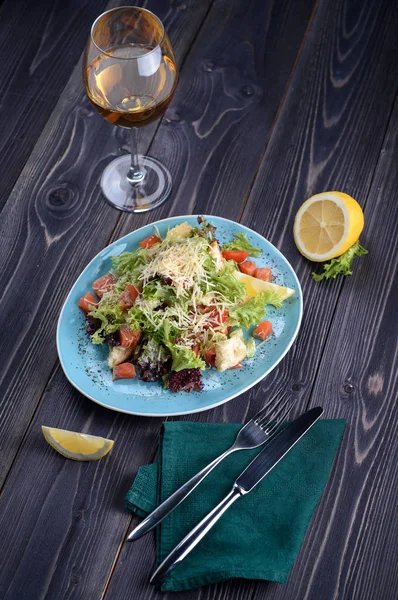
x=260 y=429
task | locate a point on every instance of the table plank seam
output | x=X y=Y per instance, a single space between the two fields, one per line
x=274 y=122
x=28 y=428
x=344 y=279
x=21 y=137
x=131 y=518
x=108 y=242
x=319 y=382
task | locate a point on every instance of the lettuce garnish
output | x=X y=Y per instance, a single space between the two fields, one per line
x=110 y=315
x=183 y=357
x=342 y=264
x=252 y=311
x=240 y=242
x=226 y=284
x=129 y=265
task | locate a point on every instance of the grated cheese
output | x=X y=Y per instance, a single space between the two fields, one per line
x=182 y=262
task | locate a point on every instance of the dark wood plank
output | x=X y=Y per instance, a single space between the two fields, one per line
x=43 y=234
x=40 y=43
x=65 y=410
x=319 y=142
x=73 y=511
x=329 y=147
x=351 y=549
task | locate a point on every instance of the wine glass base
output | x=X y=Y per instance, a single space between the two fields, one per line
x=146 y=195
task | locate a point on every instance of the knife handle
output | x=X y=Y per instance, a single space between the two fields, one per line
x=157 y=515
x=195 y=535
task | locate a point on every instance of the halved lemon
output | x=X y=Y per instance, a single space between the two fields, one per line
x=256 y=286
x=77 y=446
x=326 y=225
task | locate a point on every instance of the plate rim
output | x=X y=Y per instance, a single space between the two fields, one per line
x=196 y=410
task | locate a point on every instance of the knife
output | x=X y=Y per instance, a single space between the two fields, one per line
x=260 y=466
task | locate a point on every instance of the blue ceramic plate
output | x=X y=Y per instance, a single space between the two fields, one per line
x=85 y=364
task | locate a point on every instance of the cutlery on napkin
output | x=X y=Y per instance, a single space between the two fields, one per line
x=258 y=537
x=259 y=430
x=260 y=466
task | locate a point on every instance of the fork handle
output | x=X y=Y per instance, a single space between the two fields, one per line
x=195 y=535
x=165 y=508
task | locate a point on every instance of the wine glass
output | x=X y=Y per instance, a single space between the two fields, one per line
x=130 y=76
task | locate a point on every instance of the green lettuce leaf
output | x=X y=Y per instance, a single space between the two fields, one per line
x=272 y=297
x=129 y=265
x=155 y=290
x=137 y=319
x=342 y=264
x=247 y=314
x=240 y=242
x=251 y=347
x=252 y=311
x=110 y=314
x=183 y=357
x=226 y=283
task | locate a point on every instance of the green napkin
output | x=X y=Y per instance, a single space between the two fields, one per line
x=260 y=536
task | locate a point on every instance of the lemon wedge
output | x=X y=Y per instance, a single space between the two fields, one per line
x=327 y=225
x=77 y=446
x=256 y=286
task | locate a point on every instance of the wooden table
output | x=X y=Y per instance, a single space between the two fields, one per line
x=276 y=101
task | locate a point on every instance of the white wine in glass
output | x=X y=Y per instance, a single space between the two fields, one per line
x=130 y=75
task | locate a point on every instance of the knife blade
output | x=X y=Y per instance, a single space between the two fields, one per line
x=255 y=472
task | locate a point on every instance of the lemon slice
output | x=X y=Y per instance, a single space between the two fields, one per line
x=77 y=446
x=326 y=225
x=256 y=286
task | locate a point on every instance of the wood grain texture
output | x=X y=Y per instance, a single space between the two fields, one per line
x=56 y=578
x=320 y=142
x=43 y=235
x=61 y=520
x=311 y=130
x=346 y=77
x=40 y=43
x=351 y=550
x=236 y=135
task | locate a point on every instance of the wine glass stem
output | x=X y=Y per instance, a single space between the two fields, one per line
x=135 y=175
